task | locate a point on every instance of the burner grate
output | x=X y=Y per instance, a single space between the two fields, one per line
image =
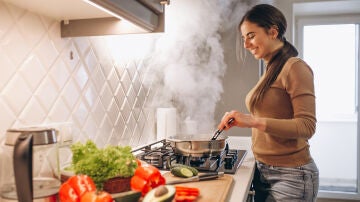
x=161 y=155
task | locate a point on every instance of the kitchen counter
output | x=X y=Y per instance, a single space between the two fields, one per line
x=233 y=187
x=244 y=175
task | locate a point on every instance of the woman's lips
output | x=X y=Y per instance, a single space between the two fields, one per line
x=253 y=51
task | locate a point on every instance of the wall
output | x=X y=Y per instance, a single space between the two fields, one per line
x=240 y=75
x=46 y=79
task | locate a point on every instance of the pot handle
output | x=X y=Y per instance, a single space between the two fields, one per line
x=23 y=167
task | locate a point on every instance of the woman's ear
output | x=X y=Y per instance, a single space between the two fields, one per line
x=274 y=32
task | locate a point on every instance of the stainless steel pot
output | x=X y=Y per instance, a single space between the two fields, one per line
x=197 y=145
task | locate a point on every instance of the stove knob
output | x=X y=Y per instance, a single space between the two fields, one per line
x=233 y=156
x=229 y=162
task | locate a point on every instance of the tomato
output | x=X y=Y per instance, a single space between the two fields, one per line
x=67 y=193
x=96 y=196
x=146 y=177
x=75 y=187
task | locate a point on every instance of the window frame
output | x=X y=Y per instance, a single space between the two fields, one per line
x=300 y=22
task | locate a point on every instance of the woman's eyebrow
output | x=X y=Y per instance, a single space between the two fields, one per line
x=247 y=35
x=250 y=33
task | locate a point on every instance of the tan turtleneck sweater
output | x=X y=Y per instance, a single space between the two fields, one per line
x=289 y=109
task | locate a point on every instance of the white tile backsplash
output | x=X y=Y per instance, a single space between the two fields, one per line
x=47 y=79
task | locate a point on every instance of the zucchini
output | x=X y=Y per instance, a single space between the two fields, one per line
x=193 y=170
x=182 y=172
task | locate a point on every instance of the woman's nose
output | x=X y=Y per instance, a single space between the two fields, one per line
x=246 y=43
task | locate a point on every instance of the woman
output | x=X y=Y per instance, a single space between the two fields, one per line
x=282 y=111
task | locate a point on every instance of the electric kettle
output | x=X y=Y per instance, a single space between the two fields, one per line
x=30 y=170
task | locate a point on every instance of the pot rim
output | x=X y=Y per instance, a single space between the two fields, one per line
x=195 y=138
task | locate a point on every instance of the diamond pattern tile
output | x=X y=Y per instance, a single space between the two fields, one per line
x=33 y=113
x=48 y=79
x=47 y=93
x=5 y=19
x=113 y=111
x=7 y=117
x=98 y=112
x=59 y=73
x=16 y=94
x=80 y=113
x=31 y=28
x=106 y=96
x=32 y=71
x=90 y=95
x=81 y=76
x=17 y=48
x=113 y=80
x=70 y=93
x=60 y=112
x=7 y=69
x=46 y=51
x=90 y=62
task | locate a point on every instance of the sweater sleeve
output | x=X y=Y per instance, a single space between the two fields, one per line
x=299 y=84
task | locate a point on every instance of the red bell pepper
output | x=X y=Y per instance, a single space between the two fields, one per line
x=96 y=196
x=146 y=177
x=81 y=188
x=186 y=194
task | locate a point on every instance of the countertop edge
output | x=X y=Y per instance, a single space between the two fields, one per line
x=243 y=176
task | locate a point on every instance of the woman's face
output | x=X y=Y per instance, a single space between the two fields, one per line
x=259 y=42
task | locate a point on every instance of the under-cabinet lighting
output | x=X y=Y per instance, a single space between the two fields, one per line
x=104 y=9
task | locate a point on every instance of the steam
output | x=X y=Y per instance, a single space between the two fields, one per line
x=187 y=65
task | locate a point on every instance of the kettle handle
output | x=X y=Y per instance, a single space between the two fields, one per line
x=23 y=167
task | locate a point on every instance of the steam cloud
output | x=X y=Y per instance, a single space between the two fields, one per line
x=188 y=64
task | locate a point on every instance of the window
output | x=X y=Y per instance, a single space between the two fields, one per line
x=331 y=47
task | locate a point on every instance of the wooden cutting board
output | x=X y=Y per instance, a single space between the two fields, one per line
x=216 y=190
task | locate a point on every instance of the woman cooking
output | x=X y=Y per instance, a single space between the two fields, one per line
x=282 y=111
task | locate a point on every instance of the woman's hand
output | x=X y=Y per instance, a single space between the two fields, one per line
x=241 y=120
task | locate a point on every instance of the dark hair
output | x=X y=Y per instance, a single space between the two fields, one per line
x=267 y=16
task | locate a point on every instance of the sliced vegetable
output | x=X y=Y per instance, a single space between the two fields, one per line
x=146 y=177
x=75 y=187
x=185 y=198
x=68 y=194
x=193 y=170
x=96 y=196
x=182 y=172
x=186 y=194
x=182 y=190
x=81 y=184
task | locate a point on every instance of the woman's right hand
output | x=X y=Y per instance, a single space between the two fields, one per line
x=240 y=119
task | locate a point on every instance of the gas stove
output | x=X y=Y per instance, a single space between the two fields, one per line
x=161 y=155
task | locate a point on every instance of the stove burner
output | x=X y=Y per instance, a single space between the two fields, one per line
x=153 y=156
x=161 y=155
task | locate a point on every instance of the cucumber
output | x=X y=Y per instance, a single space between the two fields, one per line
x=182 y=172
x=193 y=170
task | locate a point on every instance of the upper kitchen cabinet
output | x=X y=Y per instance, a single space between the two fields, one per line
x=100 y=17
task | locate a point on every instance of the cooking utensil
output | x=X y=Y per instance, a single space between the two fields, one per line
x=218 y=132
x=197 y=145
x=32 y=169
x=201 y=177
